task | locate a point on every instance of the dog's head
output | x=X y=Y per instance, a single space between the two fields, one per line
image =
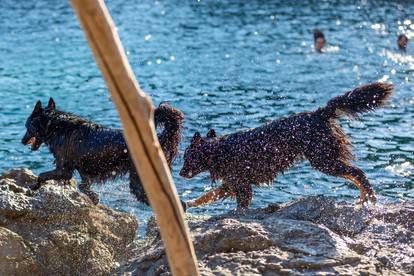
x=37 y=125
x=198 y=155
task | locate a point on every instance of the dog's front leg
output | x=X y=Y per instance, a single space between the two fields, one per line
x=58 y=174
x=209 y=197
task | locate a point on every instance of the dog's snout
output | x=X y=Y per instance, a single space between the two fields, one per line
x=25 y=139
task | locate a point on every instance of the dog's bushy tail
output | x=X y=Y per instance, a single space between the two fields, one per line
x=357 y=101
x=166 y=114
x=171 y=119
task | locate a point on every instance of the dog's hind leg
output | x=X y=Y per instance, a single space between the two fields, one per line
x=358 y=177
x=244 y=195
x=347 y=171
x=329 y=151
x=85 y=187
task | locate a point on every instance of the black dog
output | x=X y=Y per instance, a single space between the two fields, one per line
x=98 y=153
x=258 y=155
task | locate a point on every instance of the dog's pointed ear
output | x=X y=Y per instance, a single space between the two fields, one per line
x=163 y=103
x=51 y=105
x=196 y=138
x=211 y=133
x=38 y=107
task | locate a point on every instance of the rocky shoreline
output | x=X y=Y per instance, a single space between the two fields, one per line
x=313 y=235
x=57 y=230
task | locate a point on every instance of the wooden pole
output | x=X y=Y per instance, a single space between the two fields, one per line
x=136 y=113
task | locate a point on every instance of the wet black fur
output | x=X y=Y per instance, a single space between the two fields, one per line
x=258 y=155
x=97 y=152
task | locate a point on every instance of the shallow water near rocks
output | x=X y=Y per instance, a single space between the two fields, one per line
x=230 y=66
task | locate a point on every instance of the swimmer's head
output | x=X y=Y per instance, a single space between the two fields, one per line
x=402 y=42
x=319 y=40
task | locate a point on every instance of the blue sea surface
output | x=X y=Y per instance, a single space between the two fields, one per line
x=228 y=65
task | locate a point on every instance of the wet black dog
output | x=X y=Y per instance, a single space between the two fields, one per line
x=98 y=153
x=258 y=155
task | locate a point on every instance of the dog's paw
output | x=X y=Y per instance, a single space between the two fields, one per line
x=372 y=198
x=191 y=203
x=367 y=197
x=361 y=201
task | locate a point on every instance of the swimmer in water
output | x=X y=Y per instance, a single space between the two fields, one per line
x=319 y=40
x=402 y=42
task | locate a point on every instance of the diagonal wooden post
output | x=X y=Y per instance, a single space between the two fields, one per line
x=136 y=112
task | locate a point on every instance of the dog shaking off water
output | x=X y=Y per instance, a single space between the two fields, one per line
x=98 y=153
x=258 y=155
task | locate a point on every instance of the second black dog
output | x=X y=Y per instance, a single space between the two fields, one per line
x=98 y=153
x=256 y=156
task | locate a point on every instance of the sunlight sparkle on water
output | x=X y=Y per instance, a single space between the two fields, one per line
x=405 y=169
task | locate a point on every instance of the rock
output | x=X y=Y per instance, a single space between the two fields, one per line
x=25 y=177
x=57 y=230
x=22 y=177
x=314 y=235
x=15 y=256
